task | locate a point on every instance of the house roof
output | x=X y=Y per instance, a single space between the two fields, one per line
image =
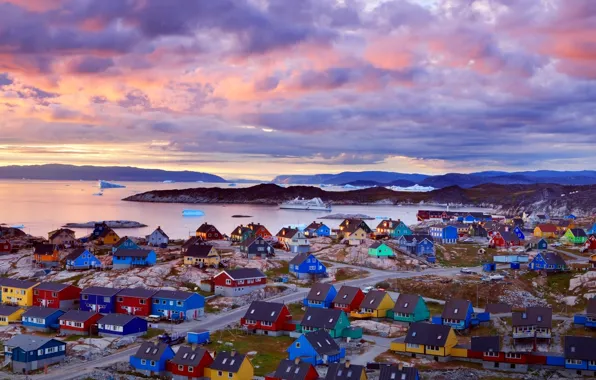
x=173 y=294
x=75 y=254
x=191 y=241
x=20 y=284
x=158 y=229
x=40 y=312
x=201 y=250
x=287 y=232
x=537 y=315
x=376 y=244
x=290 y=370
x=6 y=310
x=27 y=342
x=264 y=311
x=418 y=238
x=255 y=226
x=344 y=371
x=373 y=299
x=101 y=291
x=137 y=292
x=346 y=294
x=117 y=319
x=509 y=236
x=553 y=258
x=352 y=227
x=486 y=343
x=455 y=309
x=322 y=342
x=106 y=232
x=187 y=356
x=591 y=308
x=393 y=372
x=205 y=227
x=578 y=232
x=427 y=334
x=227 y=361
x=321 y=318
x=391 y=224
x=151 y=351
x=541 y=216
x=244 y=273
x=248 y=242
x=406 y=303
x=314 y=226
x=547 y=227
x=498 y=308
x=77 y=315
x=319 y=291
x=54 y=234
x=299 y=258
x=133 y=252
x=580 y=347
x=121 y=241
x=52 y=286
x=45 y=249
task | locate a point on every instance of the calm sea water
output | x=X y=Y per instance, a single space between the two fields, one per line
x=42 y=206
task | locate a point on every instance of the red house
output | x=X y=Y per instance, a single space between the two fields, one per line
x=487 y=348
x=298 y=371
x=519 y=358
x=497 y=241
x=267 y=318
x=78 y=322
x=238 y=282
x=208 y=232
x=56 y=295
x=259 y=230
x=5 y=246
x=189 y=363
x=348 y=298
x=590 y=244
x=134 y=301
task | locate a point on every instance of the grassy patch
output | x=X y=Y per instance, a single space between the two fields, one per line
x=75 y=338
x=174 y=272
x=434 y=308
x=270 y=350
x=343 y=274
x=152 y=333
x=296 y=310
x=463 y=255
x=282 y=270
x=209 y=308
x=580 y=331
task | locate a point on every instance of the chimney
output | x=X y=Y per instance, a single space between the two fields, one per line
x=400 y=366
x=347 y=364
x=297 y=361
x=233 y=353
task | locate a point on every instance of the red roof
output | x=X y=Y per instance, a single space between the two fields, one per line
x=547 y=228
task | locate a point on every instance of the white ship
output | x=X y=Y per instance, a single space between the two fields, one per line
x=315 y=204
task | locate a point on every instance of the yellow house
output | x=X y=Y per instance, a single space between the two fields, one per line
x=10 y=314
x=426 y=339
x=355 y=237
x=17 y=292
x=546 y=231
x=230 y=365
x=374 y=305
x=345 y=371
x=202 y=255
x=108 y=237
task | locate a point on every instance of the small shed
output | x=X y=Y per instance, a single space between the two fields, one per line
x=489 y=267
x=515 y=265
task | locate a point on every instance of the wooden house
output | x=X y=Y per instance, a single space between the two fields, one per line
x=457 y=314
x=590 y=244
x=158 y=238
x=446 y=234
x=189 y=363
x=193 y=240
x=62 y=236
x=346 y=371
x=546 y=230
x=41 y=318
x=99 y=299
x=533 y=322
x=202 y=255
x=56 y=295
x=580 y=355
x=348 y=298
x=78 y=322
x=409 y=308
x=376 y=304
x=241 y=233
x=257 y=247
x=31 y=353
x=433 y=340
x=354 y=234
x=47 y=255
x=124 y=243
x=151 y=358
x=487 y=348
x=419 y=245
x=548 y=261
x=576 y=235
x=380 y=249
x=107 y=237
x=5 y=246
x=259 y=230
x=334 y=321
x=230 y=366
x=134 y=301
x=131 y=258
x=297 y=369
x=238 y=282
x=10 y=314
x=267 y=318
x=178 y=305
x=392 y=228
x=321 y=295
x=538 y=243
x=306 y=266
x=17 y=292
x=316 y=229
x=316 y=348
x=346 y=223
x=398 y=372
x=293 y=240
x=208 y=232
x=120 y=325
x=81 y=259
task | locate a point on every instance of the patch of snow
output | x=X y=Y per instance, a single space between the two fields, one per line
x=415 y=188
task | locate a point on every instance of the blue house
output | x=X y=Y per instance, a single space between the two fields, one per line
x=321 y=295
x=121 y=325
x=446 y=234
x=520 y=234
x=580 y=354
x=29 y=353
x=548 y=261
x=570 y=216
x=81 y=259
x=99 y=299
x=42 y=318
x=129 y=258
x=151 y=358
x=176 y=304
x=317 y=229
x=98 y=230
x=457 y=314
x=419 y=245
x=589 y=318
x=306 y=265
x=124 y=243
x=316 y=348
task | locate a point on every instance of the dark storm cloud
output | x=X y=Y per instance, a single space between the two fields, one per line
x=90 y=65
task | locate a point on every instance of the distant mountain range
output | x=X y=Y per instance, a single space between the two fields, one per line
x=375 y=178
x=108 y=173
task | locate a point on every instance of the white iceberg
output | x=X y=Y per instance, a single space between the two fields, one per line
x=300 y=227
x=192 y=213
x=109 y=185
x=414 y=188
x=169 y=181
x=348 y=186
x=232 y=184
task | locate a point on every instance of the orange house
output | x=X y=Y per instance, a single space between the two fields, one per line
x=260 y=230
x=47 y=255
x=108 y=237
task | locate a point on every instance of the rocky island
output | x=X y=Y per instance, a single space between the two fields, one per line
x=546 y=198
x=110 y=223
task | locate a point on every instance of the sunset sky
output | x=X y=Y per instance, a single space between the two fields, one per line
x=256 y=88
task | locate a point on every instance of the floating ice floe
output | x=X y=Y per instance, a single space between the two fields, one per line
x=109 y=185
x=414 y=188
x=168 y=181
x=192 y=213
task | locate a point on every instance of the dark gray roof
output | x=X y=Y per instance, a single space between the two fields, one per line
x=509 y=236
x=187 y=356
x=580 y=348
x=591 y=308
x=346 y=294
x=227 y=361
x=244 y=273
x=201 y=250
x=173 y=294
x=117 y=319
x=427 y=334
x=486 y=343
x=455 y=309
x=344 y=371
x=137 y=292
x=418 y=238
x=191 y=241
x=373 y=299
x=406 y=303
x=376 y=245
x=321 y=318
x=290 y=370
x=40 y=312
x=533 y=316
x=132 y=252
x=314 y=226
x=553 y=258
x=121 y=241
x=393 y=372
x=14 y=283
x=578 y=232
x=75 y=254
x=248 y=242
x=151 y=351
x=319 y=291
x=77 y=315
x=287 y=232
x=322 y=342
x=264 y=311
x=299 y=258
x=27 y=342
x=52 y=286
x=6 y=310
x=101 y=291
x=45 y=249
x=498 y=308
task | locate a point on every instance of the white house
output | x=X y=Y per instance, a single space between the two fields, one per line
x=158 y=237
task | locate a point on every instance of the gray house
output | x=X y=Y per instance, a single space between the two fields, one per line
x=29 y=352
x=157 y=238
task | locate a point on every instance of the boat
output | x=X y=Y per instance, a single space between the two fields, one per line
x=110 y=185
x=98 y=194
x=315 y=204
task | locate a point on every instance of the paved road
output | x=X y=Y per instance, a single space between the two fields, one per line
x=578 y=258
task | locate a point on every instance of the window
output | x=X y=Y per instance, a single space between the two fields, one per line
x=156 y=301
x=592 y=363
x=85 y=297
x=120 y=299
x=491 y=354
x=40 y=352
x=36 y=292
x=190 y=368
x=297 y=344
x=180 y=367
x=142 y=301
x=54 y=294
x=230 y=375
x=163 y=302
x=512 y=355
x=106 y=299
x=179 y=303
x=219 y=373
x=573 y=361
x=51 y=350
x=228 y=281
x=152 y=363
x=412 y=345
x=143 y=361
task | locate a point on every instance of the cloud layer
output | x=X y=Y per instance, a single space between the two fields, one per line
x=264 y=87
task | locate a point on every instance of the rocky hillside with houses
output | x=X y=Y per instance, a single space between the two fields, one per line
x=545 y=198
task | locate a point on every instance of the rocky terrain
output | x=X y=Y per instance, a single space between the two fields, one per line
x=110 y=223
x=545 y=198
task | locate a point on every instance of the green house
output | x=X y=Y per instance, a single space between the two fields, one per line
x=393 y=228
x=576 y=235
x=409 y=308
x=401 y=229
x=334 y=321
x=380 y=249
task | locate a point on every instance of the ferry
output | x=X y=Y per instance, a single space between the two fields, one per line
x=315 y=204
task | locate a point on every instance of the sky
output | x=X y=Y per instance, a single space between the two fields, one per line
x=257 y=88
